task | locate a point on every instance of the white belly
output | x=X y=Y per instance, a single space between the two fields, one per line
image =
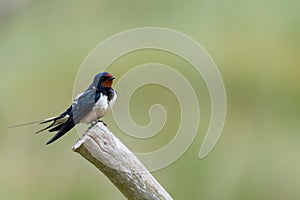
x=100 y=109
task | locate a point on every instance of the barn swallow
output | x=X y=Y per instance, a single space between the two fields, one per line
x=87 y=107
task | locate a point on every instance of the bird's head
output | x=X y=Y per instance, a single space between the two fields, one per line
x=103 y=79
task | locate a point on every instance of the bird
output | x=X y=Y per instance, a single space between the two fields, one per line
x=87 y=107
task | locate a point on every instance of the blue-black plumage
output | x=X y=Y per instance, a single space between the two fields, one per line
x=87 y=107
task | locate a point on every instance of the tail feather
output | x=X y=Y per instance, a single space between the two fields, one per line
x=63 y=130
x=56 y=121
x=39 y=121
x=56 y=128
x=45 y=128
x=61 y=119
x=25 y=124
x=62 y=123
x=51 y=119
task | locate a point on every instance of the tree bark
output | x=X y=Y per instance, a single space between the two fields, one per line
x=104 y=150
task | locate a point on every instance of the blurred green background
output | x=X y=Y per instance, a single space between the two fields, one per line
x=255 y=44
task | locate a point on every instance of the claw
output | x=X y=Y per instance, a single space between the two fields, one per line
x=102 y=122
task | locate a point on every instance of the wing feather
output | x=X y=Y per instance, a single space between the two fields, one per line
x=81 y=106
x=84 y=104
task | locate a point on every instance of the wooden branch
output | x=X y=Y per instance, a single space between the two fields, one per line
x=104 y=150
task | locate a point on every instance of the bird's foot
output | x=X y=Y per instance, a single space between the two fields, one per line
x=93 y=123
x=102 y=122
